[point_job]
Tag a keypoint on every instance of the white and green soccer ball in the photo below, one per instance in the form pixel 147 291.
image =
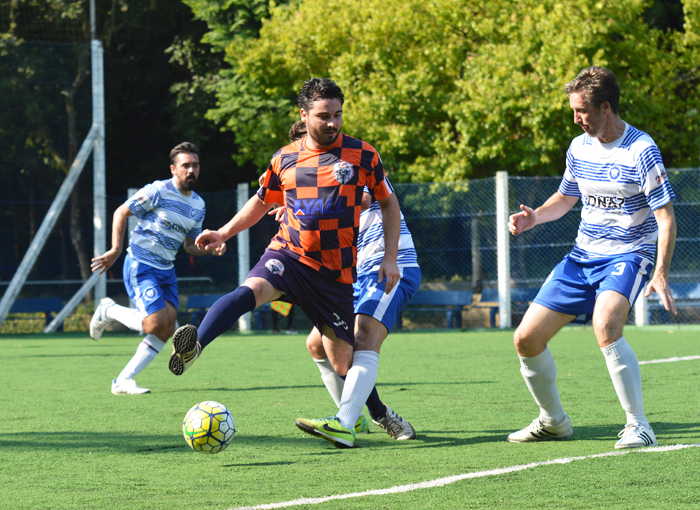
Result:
pixel 208 427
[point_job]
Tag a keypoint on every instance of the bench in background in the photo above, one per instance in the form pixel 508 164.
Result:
pixel 449 301
pixel 685 295
pixel 198 304
pixel 520 298
pixel 34 305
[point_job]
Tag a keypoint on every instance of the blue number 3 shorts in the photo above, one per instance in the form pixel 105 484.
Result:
pixel 573 286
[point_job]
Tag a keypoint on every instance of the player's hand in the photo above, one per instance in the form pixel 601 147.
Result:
pixel 209 240
pixel 390 271
pixel 522 221
pixel 261 180
pixel 659 284
pixel 219 251
pixel 278 212
pixel 105 261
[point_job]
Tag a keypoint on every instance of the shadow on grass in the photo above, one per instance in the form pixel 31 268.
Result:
pixel 400 386
pixel 664 431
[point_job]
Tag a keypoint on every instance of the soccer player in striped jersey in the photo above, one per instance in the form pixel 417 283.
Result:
pixel 312 260
pixel 375 311
pixel 627 220
pixel 170 214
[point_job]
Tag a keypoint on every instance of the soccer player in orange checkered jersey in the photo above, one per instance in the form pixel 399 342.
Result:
pixel 319 180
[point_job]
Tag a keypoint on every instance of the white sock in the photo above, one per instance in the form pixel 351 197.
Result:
pixel 130 317
pixel 334 383
pixel 145 353
pixel 358 385
pixel 627 379
pixel 540 374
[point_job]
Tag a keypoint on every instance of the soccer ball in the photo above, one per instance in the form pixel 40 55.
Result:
pixel 208 427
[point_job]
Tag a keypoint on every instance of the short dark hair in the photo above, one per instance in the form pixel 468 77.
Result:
pixel 297 131
pixel 598 85
pixel 319 88
pixel 183 148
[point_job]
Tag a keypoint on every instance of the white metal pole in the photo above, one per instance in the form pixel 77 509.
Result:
pixel 641 310
pixel 243 252
pixel 99 218
pixel 47 225
pixel 503 243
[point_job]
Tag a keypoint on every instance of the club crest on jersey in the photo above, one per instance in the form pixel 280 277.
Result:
pixel 343 172
pixel 275 267
pixel 614 173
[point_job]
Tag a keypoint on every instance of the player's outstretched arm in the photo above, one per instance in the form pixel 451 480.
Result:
pixel 253 210
pixel 391 226
pixel 105 261
pixel 554 208
pixel 191 248
pixel 666 220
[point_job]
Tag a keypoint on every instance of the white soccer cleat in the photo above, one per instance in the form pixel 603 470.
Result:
pixel 127 387
pixel 99 321
pixel 636 436
pixel 538 431
pixel 185 349
pixel 395 426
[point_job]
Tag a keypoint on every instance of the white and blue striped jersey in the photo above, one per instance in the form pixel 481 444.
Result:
pixel 370 242
pixel 620 185
pixel 166 217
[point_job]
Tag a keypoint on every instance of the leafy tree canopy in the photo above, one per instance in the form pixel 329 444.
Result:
pixel 453 89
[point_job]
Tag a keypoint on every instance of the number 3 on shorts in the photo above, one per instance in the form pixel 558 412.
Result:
pixel 619 269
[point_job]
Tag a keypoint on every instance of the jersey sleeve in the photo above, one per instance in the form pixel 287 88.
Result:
pixel 569 184
pixel 197 228
pixel 144 200
pixel 377 181
pixel 271 190
pixel 653 178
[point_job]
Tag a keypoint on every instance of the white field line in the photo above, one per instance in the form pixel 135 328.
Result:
pixel 451 479
pixel 668 360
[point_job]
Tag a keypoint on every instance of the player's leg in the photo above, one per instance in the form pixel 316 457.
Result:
pixel 342 435
pixel 158 327
pixel 620 288
pixel 137 279
pixel 539 371
pixel 189 341
pixel 379 311
pixel 334 383
pixel 155 295
pixel 330 377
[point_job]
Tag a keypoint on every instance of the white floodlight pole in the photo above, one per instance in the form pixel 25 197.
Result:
pixel 243 252
pixel 99 195
pixel 503 242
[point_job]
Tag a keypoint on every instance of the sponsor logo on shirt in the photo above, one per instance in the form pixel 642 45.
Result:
pixel 173 226
pixel 661 177
pixel 318 207
pixel 608 203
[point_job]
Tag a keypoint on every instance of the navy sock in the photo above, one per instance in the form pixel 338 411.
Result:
pixel 224 313
pixel 375 406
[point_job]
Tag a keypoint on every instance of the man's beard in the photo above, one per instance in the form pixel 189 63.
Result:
pixel 189 184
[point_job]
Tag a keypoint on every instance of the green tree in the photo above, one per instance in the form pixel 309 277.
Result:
pixel 453 89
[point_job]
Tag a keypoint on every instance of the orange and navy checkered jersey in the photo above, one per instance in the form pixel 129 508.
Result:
pixel 321 191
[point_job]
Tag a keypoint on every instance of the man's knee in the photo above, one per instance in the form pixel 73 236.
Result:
pixel 527 344
pixel 314 344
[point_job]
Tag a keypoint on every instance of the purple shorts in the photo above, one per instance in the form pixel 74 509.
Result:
pixel 324 301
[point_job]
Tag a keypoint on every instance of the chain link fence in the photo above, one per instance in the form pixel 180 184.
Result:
pixel 454 230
